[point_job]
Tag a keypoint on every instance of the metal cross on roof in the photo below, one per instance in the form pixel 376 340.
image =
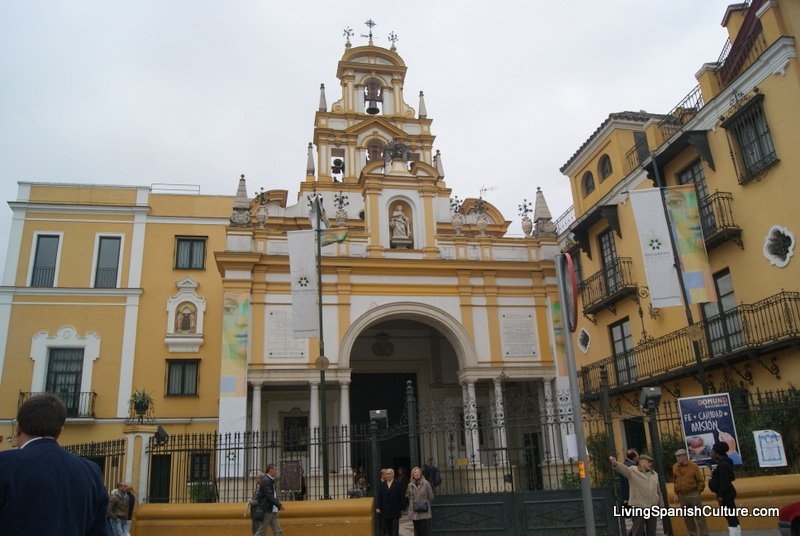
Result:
pixel 370 24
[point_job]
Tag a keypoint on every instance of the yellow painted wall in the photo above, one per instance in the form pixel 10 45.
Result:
pixel 351 517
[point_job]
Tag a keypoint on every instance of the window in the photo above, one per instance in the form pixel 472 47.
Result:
pixel 749 132
pixel 694 175
pixel 199 467
pixel 64 372
pixel 723 324
pixel 182 377
pixel 624 357
pixel 107 268
pixel 190 253
pixel 587 183
pixel 604 168
pixel 612 276
pixel 295 433
pixel 44 261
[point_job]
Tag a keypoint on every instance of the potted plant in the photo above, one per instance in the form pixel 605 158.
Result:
pixel 141 401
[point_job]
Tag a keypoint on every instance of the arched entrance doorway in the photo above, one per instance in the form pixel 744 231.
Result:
pixel 385 356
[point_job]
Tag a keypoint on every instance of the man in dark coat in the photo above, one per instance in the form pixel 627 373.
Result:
pixel 43 488
pixel 267 498
pixel 389 503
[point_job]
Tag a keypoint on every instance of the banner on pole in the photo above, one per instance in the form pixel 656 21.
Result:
pixel 659 260
pixel 687 231
pixel 303 274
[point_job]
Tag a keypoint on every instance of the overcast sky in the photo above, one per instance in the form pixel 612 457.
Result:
pixel 199 91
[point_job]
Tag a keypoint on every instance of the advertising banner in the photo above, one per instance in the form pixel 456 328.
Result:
pixel 706 420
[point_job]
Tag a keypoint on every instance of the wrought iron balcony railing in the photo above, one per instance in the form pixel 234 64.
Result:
pixel 79 405
pixel 608 286
pixel 716 217
pixel 746 331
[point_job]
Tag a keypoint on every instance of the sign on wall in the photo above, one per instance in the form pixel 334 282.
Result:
pixel 706 420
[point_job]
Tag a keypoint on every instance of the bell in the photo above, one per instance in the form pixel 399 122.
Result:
pixel 338 166
pixel 373 96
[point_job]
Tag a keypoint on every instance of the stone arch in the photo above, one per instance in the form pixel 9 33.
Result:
pixel 443 321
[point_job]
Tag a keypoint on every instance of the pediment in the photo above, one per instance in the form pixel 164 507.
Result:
pixel 380 125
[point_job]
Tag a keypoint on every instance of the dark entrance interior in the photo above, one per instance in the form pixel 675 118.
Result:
pixel 379 390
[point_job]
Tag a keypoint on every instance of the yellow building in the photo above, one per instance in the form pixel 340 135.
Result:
pixel 110 290
pixel 731 140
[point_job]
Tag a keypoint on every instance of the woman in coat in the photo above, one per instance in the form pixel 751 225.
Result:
pixel 721 484
pixel 420 497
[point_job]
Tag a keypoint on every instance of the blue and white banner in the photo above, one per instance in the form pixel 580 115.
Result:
pixel 303 274
pixel 659 259
pixel 706 420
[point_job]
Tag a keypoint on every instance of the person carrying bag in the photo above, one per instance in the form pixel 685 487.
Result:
pixel 420 497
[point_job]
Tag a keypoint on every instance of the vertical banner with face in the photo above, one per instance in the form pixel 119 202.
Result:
pixel 706 420
pixel 233 376
pixel 687 232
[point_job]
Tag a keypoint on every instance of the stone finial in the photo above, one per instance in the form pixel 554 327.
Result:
pixel 310 169
pixel 423 112
pixel 437 162
pixel 241 205
pixel 542 217
pixel 323 104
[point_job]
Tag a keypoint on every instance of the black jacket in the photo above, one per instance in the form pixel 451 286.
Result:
pixel 390 499
pixel 265 496
pixel 722 478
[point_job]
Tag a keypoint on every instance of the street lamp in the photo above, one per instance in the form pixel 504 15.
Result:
pixel 649 399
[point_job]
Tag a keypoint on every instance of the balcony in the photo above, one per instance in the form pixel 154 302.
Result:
pixel 608 286
pixel 742 333
pixel 716 217
pixel 79 405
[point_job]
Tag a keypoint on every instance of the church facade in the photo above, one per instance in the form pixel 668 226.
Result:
pixel 109 290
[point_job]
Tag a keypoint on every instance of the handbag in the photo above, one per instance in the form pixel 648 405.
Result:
pixel 420 506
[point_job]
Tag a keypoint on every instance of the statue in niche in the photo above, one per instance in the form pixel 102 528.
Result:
pixel 400 227
pixel 186 318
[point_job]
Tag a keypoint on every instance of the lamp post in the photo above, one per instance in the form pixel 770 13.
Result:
pixel 649 400
pixel 322 361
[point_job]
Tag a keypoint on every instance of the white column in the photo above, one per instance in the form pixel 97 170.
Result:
pixel 500 422
pixel 314 430
pixel 344 422
pixel 471 436
pixel 255 408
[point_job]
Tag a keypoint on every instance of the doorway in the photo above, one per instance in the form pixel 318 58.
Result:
pixel 383 391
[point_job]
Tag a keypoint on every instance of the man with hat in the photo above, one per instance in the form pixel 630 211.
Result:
pixel 689 483
pixel 645 493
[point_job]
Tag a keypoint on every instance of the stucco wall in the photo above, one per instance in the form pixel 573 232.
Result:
pixel 352 517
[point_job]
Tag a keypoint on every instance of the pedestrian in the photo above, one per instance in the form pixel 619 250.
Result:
pixel 267 499
pixel 645 492
pixel 389 503
pixel 360 488
pixel 721 484
pixel 420 497
pixel 689 483
pixel 131 506
pixel 118 509
pixel 256 513
pixel 431 473
pixel 43 488
pixel 631 459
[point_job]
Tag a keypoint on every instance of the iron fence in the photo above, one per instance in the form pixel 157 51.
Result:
pixel 108 455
